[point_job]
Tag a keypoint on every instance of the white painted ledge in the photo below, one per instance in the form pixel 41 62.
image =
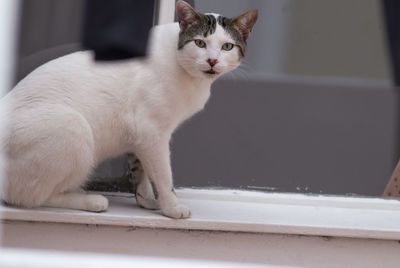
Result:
pixel 243 211
pixel 13 258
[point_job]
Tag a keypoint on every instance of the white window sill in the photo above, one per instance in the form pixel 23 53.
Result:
pixel 242 211
pixel 11 258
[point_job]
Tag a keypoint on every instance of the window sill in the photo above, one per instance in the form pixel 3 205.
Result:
pixel 242 211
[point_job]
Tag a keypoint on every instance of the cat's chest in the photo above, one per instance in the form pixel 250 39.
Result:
pixel 187 101
pixel 172 105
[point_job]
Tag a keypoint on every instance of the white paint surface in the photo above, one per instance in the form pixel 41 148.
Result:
pixel 8 29
pixel 50 259
pixel 247 219
pixel 240 248
pixel 243 211
pixel 8 36
pixel 166 11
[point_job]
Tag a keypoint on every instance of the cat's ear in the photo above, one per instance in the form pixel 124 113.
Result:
pixel 245 22
pixel 186 14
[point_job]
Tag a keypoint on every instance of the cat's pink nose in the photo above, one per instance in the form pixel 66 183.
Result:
pixel 212 62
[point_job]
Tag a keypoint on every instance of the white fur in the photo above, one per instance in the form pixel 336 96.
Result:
pixel 71 114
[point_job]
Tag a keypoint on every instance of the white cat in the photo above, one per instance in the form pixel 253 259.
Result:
pixel 70 114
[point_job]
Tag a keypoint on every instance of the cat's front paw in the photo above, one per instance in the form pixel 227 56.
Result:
pixel 96 203
pixel 177 212
pixel 148 203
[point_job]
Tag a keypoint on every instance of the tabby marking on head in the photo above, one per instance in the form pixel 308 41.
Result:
pixel 194 23
pixel 218 44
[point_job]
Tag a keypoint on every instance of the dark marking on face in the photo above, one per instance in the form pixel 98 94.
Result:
pixel 212 25
pixel 221 21
pixel 239 28
pixel 229 26
pixel 193 23
pixel 204 25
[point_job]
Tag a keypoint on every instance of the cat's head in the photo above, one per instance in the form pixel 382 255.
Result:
pixel 211 45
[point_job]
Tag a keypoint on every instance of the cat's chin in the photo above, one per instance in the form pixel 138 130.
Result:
pixel 203 74
pixel 211 73
pixel 206 75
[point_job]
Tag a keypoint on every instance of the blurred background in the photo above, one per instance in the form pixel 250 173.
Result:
pixel 312 109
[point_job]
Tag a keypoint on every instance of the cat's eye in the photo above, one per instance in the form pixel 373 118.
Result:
pixel 227 46
pixel 200 43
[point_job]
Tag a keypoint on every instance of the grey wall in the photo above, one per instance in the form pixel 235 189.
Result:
pixel 48 29
pixel 290 136
pixel 337 38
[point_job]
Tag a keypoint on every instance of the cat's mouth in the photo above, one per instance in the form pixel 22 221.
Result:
pixel 211 71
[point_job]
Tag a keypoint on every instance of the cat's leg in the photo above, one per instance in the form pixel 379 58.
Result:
pixel 144 193
pixel 156 163
pixel 80 201
pixel 48 160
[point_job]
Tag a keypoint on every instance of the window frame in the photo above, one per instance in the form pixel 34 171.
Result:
pixel 328 204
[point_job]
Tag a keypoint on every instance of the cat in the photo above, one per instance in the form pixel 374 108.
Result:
pixel 70 114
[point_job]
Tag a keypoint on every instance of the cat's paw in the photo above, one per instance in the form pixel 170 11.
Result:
pixel 96 203
pixel 145 196
pixel 148 203
pixel 178 211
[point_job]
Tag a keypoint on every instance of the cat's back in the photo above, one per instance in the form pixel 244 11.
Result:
pixel 78 70
pixel 74 80
pixel 70 64
pixel 62 73
pixel 77 81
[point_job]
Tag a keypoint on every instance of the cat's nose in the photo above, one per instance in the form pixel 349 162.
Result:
pixel 212 62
